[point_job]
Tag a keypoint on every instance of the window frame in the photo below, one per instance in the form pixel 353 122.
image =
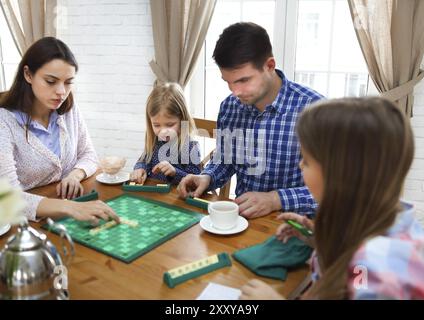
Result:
pixel 285 19
pixel 2 72
pixel 284 47
pixel 7 58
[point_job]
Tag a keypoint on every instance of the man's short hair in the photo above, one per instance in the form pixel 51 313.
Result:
pixel 241 43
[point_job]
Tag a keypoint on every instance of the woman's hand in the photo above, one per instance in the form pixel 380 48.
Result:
pixel 70 187
pixel 259 290
pixel 286 231
pixel 138 176
pixel 91 211
pixel 166 168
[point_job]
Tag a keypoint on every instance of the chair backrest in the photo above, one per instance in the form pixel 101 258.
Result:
pixel 205 129
pixel 205 126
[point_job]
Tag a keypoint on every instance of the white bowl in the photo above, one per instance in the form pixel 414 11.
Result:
pixel 112 164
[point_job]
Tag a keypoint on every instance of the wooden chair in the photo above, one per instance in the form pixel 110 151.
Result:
pixel 206 130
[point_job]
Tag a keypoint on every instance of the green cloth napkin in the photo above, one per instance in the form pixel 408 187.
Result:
pixel 273 258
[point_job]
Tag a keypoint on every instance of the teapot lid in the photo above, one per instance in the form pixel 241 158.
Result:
pixel 26 238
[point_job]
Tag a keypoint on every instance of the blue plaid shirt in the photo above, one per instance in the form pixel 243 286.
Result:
pixel 271 150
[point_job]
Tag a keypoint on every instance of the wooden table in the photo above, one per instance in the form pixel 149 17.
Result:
pixel 93 275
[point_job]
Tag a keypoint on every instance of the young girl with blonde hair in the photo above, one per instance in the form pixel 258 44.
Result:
pixel 356 155
pixel 170 152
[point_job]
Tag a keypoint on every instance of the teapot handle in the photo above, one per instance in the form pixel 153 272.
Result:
pixel 67 254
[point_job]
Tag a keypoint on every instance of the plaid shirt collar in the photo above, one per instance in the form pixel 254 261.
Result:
pixel 276 105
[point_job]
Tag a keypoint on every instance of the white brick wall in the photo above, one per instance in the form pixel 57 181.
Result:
pixel 113 43
pixel 414 187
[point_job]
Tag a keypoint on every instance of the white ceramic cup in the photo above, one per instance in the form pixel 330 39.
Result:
pixel 223 214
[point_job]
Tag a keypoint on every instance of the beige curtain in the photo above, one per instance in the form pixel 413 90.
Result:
pixel 30 20
pixel 179 30
pixel 391 36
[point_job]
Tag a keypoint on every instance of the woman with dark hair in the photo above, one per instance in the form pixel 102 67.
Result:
pixel 43 138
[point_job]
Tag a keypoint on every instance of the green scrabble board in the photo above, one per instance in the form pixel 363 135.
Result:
pixel 157 223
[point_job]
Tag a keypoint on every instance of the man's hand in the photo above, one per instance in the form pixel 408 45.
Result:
pixel 258 204
pixel 193 185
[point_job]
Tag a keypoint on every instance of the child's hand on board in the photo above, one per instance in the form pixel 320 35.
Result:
pixel 286 231
pixel 166 168
pixel 138 176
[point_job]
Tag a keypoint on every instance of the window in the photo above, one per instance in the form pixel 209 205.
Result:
pixel 314 43
pixel 207 87
pixel 9 55
pixel 328 56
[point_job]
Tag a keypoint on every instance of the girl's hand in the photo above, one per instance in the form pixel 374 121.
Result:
pixel 166 168
pixel 138 176
pixel 259 290
pixel 90 211
pixel 285 231
pixel 70 187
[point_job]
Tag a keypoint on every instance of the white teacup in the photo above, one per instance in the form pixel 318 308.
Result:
pixel 223 214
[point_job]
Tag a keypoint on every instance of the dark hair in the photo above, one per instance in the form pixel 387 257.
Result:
pixel 20 96
pixel 240 43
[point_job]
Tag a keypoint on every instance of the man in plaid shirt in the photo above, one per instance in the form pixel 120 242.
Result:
pixel 260 115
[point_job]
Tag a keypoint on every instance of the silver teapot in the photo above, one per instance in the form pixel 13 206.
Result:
pixel 31 268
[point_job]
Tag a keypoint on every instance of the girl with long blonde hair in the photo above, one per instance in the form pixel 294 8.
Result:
pixel 170 152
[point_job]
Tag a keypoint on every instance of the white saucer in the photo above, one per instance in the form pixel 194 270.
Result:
pixel 206 224
pixel 4 229
pixel 119 178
